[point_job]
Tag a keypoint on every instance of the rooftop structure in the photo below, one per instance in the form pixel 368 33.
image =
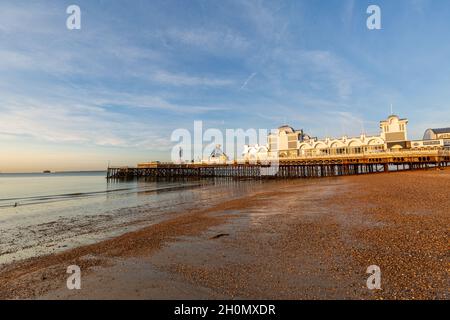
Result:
pixel 440 133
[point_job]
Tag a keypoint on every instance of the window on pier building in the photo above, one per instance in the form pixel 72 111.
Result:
pixel 273 146
pixel 355 150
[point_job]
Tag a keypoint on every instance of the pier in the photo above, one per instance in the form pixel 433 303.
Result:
pixel 312 167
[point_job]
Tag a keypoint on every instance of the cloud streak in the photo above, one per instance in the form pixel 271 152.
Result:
pixel 248 80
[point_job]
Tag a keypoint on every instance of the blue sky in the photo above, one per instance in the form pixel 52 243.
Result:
pixel 136 71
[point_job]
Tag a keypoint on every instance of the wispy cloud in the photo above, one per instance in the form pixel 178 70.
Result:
pixel 211 40
pixel 186 80
pixel 102 119
pixel 348 12
pixel 420 5
pixel 330 68
pixel 34 18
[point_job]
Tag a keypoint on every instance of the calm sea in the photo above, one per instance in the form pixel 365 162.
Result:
pixel 24 189
pixel 46 213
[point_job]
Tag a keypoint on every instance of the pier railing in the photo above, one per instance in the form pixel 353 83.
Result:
pixel 298 167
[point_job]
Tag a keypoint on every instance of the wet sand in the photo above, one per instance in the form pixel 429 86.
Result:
pixel 298 239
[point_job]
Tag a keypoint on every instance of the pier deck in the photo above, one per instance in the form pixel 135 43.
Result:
pixel 324 166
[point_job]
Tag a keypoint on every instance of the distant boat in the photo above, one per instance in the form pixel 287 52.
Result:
pixel 46 171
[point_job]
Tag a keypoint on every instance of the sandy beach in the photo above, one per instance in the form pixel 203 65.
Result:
pixel 294 239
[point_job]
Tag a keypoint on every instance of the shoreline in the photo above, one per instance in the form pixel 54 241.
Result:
pixel 309 239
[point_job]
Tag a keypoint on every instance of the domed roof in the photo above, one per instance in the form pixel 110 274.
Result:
pixel 440 130
pixel 428 135
pixel 286 129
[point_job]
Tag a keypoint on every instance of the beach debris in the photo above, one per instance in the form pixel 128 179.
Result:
pixel 220 235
